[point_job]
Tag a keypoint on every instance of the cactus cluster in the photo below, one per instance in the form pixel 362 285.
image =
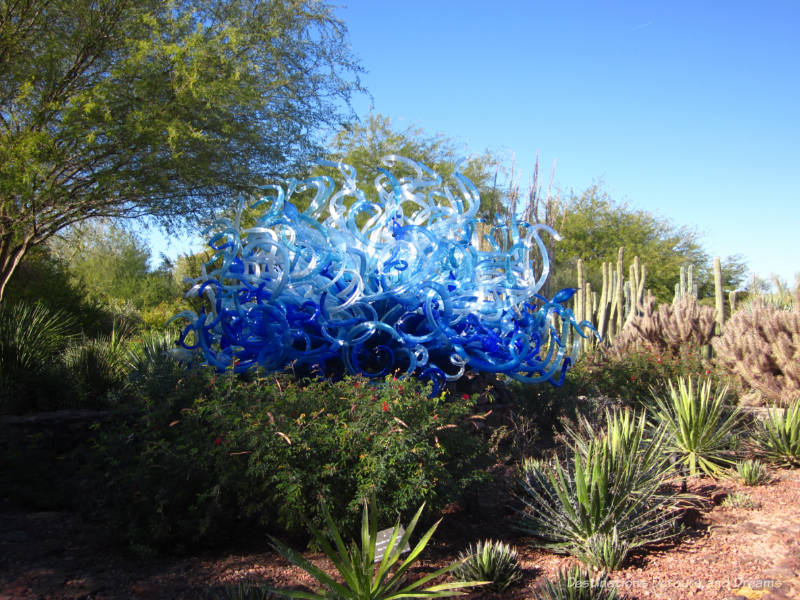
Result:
pixel 619 301
pixel 761 347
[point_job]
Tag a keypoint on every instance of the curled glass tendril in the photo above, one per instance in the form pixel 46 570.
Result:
pixel 408 282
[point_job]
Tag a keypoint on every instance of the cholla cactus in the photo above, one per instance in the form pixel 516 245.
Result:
pixel 761 347
pixel 669 326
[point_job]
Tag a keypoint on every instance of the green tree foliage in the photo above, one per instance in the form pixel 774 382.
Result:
pixel 362 145
pixel 133 108
pixel 111 264
pixel 593 228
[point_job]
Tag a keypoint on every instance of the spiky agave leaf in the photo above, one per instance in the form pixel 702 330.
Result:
pixel 699 425
pixel 361 580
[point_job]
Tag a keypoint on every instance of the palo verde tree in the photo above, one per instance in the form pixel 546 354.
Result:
pixel 151 108
pixel 363 144
pixel 594 226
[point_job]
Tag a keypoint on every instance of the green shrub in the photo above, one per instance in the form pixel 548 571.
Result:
pixel 630 376
pixel 576 583
pixel 700 426
pixel 490 561
pixel 96 367
pixel 31 336
pixel 210 454
pixel 605 498
pixel 752 472
pixel 777 437
pixel 356 564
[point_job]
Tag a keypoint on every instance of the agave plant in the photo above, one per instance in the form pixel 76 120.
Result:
pixel 606 498
pixel 490 561
pixel 752 472
pixel 361 578
pixel 576 583
pixel 778 436
pixel 699 426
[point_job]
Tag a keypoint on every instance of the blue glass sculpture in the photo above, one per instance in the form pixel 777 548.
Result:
pixel 409 282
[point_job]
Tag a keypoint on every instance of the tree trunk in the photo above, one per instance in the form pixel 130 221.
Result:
pixel 10 257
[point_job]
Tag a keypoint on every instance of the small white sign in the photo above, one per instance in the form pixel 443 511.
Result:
pixel 382 542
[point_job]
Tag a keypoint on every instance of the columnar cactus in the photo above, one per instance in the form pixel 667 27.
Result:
pixel 761 347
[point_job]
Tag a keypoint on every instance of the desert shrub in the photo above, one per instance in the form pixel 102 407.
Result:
pixel 210 454
pixel 491 561
pixel 752 472
pixel 760 346
pixel 31 336
pixel 630 376
pixel 777 437
pixel 576 583
pixel 605 498
pixel 96 366
pixel 699 425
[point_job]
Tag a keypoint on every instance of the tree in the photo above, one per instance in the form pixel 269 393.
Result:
pixel 145 108
pixel 362 145
pixel 593 228
pixel 111 265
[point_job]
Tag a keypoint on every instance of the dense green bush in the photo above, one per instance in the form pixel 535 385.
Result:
pixel 631 376
pixel 212 453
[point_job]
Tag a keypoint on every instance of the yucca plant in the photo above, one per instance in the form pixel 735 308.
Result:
pixel 30 336
pixel 149 352
pixel 361 578
pixel 606 498
pixel 752 472
pixel 576 583
pixel 491 561
pixel 699 425
pixel 777 437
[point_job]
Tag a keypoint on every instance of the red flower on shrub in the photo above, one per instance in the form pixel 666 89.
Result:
pixel 218 441
pixel 385 406
pixel 465 396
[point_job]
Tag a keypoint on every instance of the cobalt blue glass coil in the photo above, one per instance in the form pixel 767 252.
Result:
pixel 407 281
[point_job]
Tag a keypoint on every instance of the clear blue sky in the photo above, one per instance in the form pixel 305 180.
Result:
pixel 687 109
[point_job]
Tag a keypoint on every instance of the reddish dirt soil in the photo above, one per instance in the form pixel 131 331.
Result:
pixel 728 553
